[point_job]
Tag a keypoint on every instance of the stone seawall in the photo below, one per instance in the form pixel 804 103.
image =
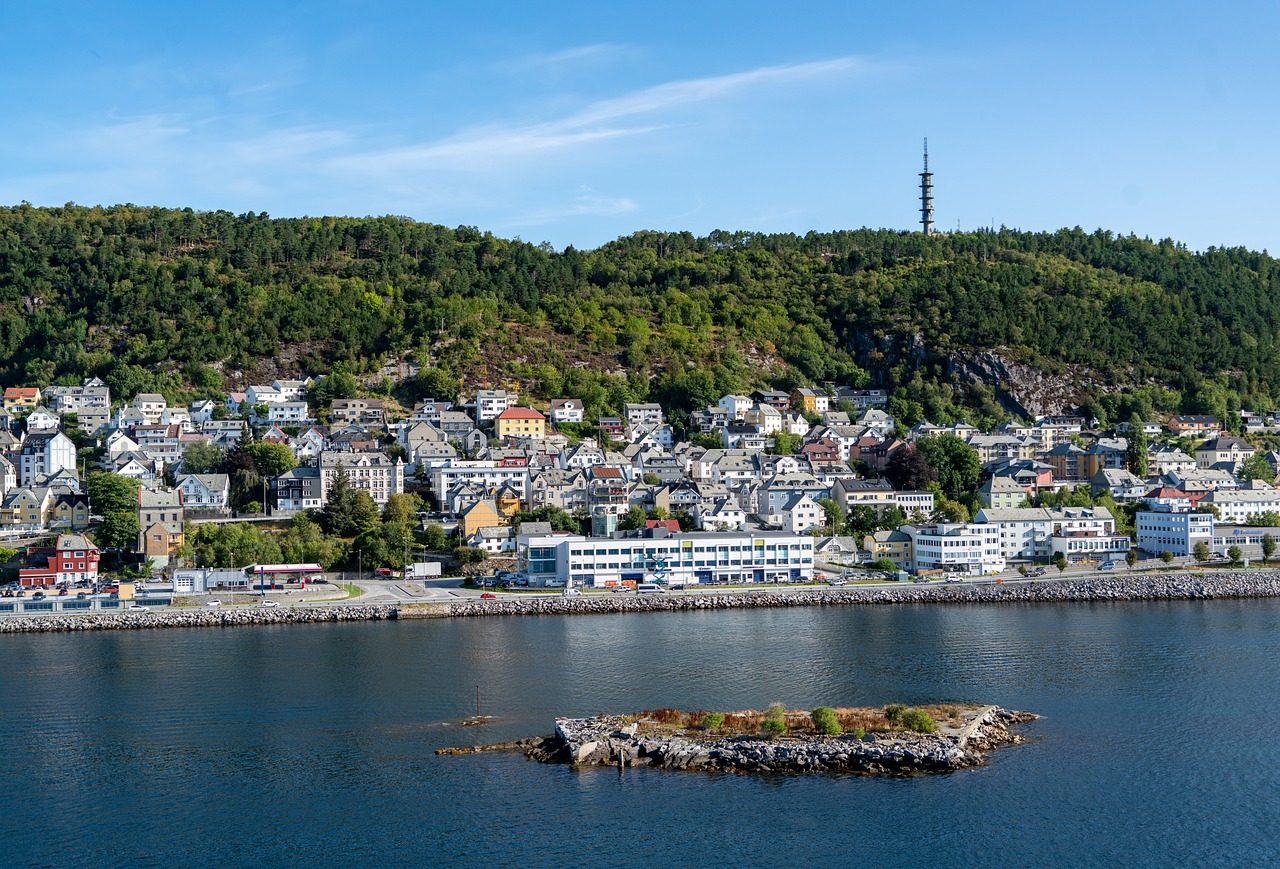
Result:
pixel 207 617
pixel 1142 587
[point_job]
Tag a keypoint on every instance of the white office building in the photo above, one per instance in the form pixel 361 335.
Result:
pixel 1175 531
pixel 656 555
pixel 962 547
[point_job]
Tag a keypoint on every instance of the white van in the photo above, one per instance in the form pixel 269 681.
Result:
pixel 649 588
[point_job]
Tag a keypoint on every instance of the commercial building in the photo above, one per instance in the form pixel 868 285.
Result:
pixel 1174 531
pixel 656 555
pixel 962 547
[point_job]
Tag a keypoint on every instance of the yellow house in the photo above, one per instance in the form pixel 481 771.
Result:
pixel 506 500
pixel 21 398
pixel 520 422
pixel 481 514
pixel 894 545
pixel 810 400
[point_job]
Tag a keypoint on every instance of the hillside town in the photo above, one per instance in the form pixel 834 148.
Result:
pixel 766 487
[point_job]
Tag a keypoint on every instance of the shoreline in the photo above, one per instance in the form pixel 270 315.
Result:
pixel 1143 587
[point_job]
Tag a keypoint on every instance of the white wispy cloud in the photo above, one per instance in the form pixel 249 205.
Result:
pixel 584 205
pixel 634 114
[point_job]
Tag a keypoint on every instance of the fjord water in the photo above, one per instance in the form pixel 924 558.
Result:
pixel 312 745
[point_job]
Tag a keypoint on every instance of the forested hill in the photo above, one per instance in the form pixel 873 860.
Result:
pixel 188 303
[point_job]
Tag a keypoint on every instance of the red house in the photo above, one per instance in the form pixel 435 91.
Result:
pixel 74 558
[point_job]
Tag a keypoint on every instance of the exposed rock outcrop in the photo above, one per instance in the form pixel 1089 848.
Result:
pixel 609 740
pixel 1022 389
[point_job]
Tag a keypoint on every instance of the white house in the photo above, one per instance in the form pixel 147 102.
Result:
pixel 802 513
pixel 204 491
pixel 735 406
pixel 566 410
pixel 45 453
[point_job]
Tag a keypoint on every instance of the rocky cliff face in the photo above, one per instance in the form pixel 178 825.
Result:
pixel 1023 390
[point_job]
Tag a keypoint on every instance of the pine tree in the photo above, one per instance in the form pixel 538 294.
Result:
pixel 338 514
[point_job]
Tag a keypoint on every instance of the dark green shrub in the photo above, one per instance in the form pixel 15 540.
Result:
pixel 893 712
pixel 713 721
pixel 825 721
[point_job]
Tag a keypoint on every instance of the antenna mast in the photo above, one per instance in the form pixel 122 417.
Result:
pixel 926 194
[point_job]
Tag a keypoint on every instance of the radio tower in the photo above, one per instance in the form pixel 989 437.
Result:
pixel 926 194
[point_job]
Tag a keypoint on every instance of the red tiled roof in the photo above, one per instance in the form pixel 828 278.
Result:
pixel 520 413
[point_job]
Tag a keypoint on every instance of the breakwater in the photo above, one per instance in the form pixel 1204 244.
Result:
pixel 206 617
pixel 1091 589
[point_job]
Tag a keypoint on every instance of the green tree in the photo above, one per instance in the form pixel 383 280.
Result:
pixel 469 555
pixel 201 457
pixel 112 493
pixel 1202 552
pixel 785 444
pixel 831 510
pixel 337 515
pixel 954 462
pixel 1166 556
pixel 1135 455
pixel 1059 561
pixel 1235 553
pixel 119 530
pixel 271 459
pixel 385 545
pixel 402 509
pixel 436 383
pixel 633 519
pixel 1268 547
pixel 1131 557
pixel 365 515
pixel 339 383
pixel 435 538
pixel 1256 467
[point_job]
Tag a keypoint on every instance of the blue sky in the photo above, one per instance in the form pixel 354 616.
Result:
pixel 576 123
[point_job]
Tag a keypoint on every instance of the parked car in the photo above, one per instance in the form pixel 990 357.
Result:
pixel 1107 565
pixel 214 602
pixel 63 592
pixel 837 582
pixel 383 571
pixel 38 596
